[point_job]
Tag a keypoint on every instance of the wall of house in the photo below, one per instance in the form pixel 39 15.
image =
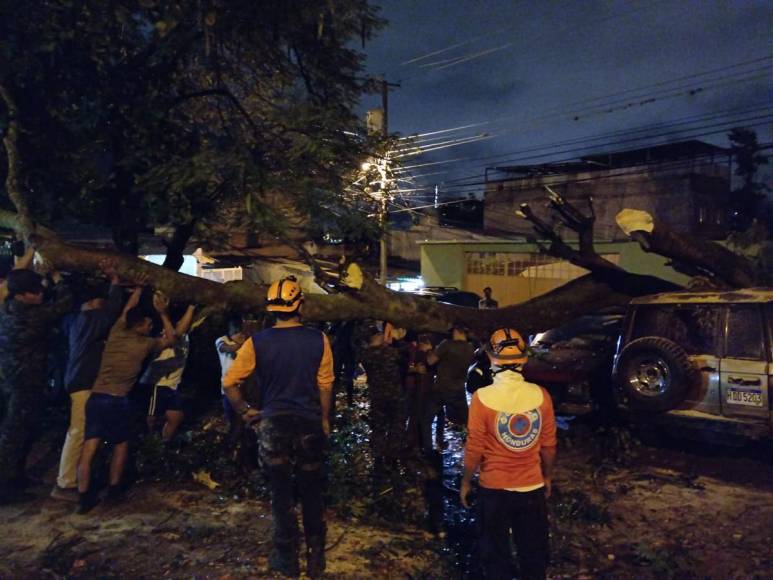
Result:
pixel 682 194
pixel 516 271
pixel 405 244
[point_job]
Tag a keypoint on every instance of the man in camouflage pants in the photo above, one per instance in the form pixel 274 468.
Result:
pixel 294 367
pixel 387 406
pixel 25 325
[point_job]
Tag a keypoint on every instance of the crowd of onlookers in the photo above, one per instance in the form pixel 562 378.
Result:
pixel 120 337
pixel 119 344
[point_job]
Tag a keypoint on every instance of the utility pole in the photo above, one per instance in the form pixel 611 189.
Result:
pixel 384 213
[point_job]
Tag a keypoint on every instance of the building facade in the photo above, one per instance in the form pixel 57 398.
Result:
pixel 517 271
pixel 683 185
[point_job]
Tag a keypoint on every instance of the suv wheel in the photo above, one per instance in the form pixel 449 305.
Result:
pixel 655 373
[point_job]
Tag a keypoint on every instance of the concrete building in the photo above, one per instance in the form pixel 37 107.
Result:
pixel 686 185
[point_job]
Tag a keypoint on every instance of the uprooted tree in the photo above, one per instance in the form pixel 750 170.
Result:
pixel 357 296
pixel 202 119
pixel 354 295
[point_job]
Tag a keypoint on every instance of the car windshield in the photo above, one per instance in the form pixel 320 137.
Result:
pixel 693 327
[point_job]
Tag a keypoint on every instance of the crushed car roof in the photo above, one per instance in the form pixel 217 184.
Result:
pixel 731 296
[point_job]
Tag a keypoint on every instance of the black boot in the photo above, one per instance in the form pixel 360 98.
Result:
pixel 284 559
pixel 315 556
pixel 86 502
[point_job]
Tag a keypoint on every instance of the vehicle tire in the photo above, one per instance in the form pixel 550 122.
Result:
pixel 655 373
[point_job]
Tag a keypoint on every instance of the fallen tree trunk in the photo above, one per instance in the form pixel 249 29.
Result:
pixel 691 255
pixel 366 300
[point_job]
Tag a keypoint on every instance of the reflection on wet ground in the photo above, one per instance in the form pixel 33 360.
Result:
pixel 458 522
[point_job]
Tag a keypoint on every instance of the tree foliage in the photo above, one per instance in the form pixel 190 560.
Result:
pixel 748 197
pixel 187 114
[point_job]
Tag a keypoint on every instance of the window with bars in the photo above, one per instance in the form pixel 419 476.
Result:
pixel 531 265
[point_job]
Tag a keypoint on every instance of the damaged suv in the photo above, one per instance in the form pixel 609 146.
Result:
pixel 703 360
pixel 702 356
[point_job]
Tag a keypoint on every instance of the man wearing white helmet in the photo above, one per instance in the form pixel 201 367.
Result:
pixel 512 439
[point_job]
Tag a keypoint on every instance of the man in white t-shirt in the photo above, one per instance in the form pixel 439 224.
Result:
pixel 164 375
pixel 226 349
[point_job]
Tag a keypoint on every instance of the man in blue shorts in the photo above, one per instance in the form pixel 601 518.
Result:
pixel 107 410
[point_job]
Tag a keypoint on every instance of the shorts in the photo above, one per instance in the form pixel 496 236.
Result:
pixel 163 399
pixel 107 418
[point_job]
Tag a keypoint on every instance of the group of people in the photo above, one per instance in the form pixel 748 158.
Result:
pixel 510 435
pixel 413 382
pixel 511 427
pixel 109 344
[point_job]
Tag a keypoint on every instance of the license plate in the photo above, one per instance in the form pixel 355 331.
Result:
pixel 748 397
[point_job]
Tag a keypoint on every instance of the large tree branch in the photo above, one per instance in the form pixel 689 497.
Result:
pixel 690 254
pixel 221 92
pixel 365 299
pixel 575 220
pixel 175 245
pixel 586 257
pixel 324 280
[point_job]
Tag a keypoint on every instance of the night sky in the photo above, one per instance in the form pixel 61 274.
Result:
pixel 535 75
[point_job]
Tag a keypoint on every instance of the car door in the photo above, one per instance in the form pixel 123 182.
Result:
pixel 744 364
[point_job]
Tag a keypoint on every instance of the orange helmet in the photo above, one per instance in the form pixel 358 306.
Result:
pixel 506 347
pixel 284 295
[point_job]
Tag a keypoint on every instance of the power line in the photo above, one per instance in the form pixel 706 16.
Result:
pixel 462 141
pixel 479 54
pixel 703 134
pixel 561 109
pixel 506 157
pixel 670 81
pixel 596 21
pixel 579 114
pixel 454 46
pixel 595 110
pixel 444 145
pixel 444 130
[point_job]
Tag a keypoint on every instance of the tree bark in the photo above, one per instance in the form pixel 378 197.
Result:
pixel 690 254
pixel 175 246
pixel 370 300
pixel 26 225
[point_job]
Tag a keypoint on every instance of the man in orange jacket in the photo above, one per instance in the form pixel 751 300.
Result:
pixel 512 439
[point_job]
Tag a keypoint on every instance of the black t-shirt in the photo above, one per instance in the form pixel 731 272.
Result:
pixel 455 357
